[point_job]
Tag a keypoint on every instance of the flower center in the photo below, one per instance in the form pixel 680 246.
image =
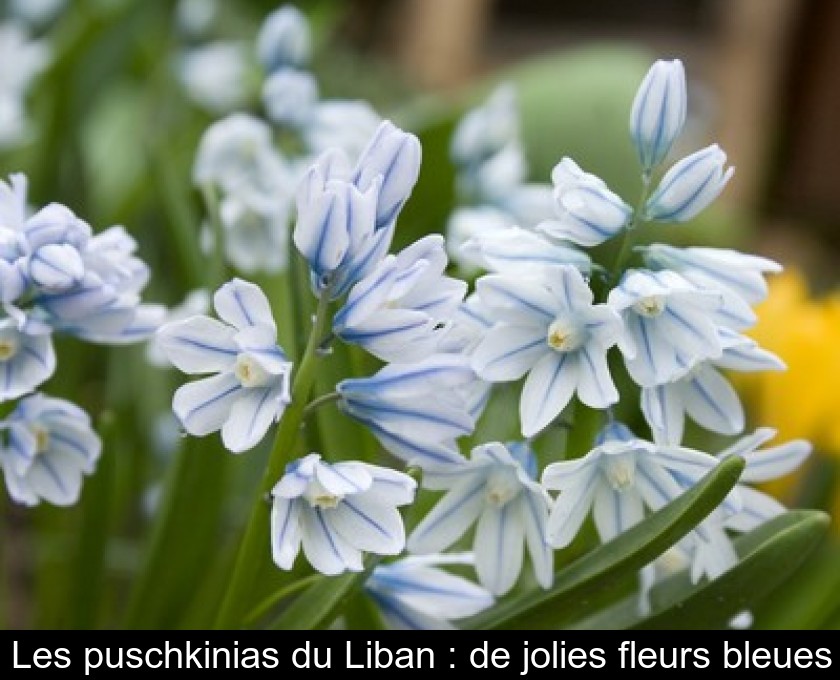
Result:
pixel 42 438
pixel 621 472
pixel 650 306
pixel 565 335
pixel 319 497
pixel 8 348
pixel 249 372
pixel 502 487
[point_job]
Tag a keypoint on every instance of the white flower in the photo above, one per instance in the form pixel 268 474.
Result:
pixel 548 328
pixel 669 325
pixel 414 593
pixel 48 447
pixel 256 230
pixel 336 512
pixel 689 186
pixel 284 39
pixel 703 394
pixel 465 226
pixel 416 411
pixel 708 548
pixel 517 251
pixel 618 479
pixel 400 311
pixel 586 211
pixel 658 113
pixel 27 359
pixel 214 75
pixel 738 276
pixel 195 303
pixel 510 509
pixel 237 152
pixel 251 387
pixel 289 97
pixel 23 60
pixel 486 130
pixel 340 124
pixel 346 217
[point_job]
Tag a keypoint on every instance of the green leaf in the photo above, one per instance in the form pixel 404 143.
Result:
pixel 610 563
pixel 769 556
pixel 320 603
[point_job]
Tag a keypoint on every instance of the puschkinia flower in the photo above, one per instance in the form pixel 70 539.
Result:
pixel 494 491
pixel 617 480
pixel 520 251
pixel 237 152
pixel 196 302
pixel 703 393
pixel 215 75
pixel 289 97
pixel 416 411
pixel 402 308
pixel 689 186
pixel 586 211
pixel 256 230
pixel 739 277
pixel 486 130
pixel 668 324
pixel 548 328
pixel 27 359
pixel 708 549
pixel 346 217
pixel 414 593
pixel 250 388
pixel 336 512
pixel 284 39
pixel 658 113
pixel 340 124
pixel 48 446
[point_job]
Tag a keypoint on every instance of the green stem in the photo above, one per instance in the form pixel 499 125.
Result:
pixel 253 549
pixel 629 236
pixel 217 271
pixel 318 402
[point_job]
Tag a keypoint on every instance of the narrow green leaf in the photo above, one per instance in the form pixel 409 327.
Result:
pixel 770 555
pixel 320 603
pixel 612 562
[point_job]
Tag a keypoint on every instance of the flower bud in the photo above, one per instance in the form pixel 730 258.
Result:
pixel 395 156
pixel 658 112
pixel 587 212
pixel 689 186
pixel 284 39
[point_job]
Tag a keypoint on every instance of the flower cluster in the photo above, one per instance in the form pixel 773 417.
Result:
pixel 252 177
pixel 654 325
pixel 58 277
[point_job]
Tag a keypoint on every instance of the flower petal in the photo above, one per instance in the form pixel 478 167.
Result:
pixel 285 531
pixel 368 524
pixel 450 518
pixel 198 344
pixel 251 414
pixel 242 304
pixel 203 406
pixel 498 548
pixel 507 352
pixel 547 391
pixel 326 551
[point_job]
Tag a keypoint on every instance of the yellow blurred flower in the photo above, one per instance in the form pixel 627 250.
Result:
pixel 801 402
pixel 805 333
